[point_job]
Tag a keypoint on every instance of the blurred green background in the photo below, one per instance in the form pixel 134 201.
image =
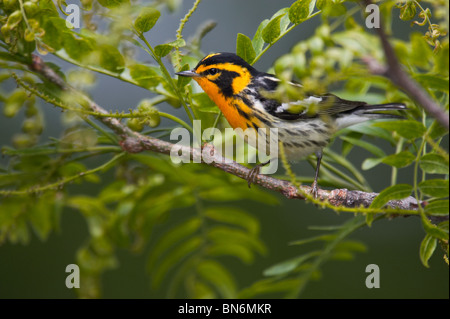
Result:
pixel 37 270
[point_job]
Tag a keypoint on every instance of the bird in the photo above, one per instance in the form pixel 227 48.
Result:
pixel 243 94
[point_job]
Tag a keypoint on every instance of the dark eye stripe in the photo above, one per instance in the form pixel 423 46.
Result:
pixel 225 81
pixel 212 71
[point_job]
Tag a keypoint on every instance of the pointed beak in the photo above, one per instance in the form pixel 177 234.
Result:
pixel 191 74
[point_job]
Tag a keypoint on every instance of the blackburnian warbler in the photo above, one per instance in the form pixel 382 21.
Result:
pixel 241 93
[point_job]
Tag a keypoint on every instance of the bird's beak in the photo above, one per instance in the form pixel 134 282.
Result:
pixel 191 74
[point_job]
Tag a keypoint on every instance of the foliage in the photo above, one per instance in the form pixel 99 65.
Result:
pixel 149 190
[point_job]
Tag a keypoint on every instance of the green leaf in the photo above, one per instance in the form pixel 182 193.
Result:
pixel 437 130
pixel 346 146
pixel 288 266
pixel 342 255
pixel 408 11
pixel 268 286
pixel 344 162
pixel 321 4
pixel 434 164
pixel 11 210
pixel 369 219
pixel 284 22
pixel 77 48
pixel 300 10
pixel 433 230
pixel 14 102
pixel 433 82
pixel 332 8
pixel 272 30
pixel 325 238
pixel 94 263
pixel 71 169
pixel 48 7
pixel 399 191
pixel 113 3
pixel 170 239
pixel 344 250
pixel 145 76
pixel 438 208
pixel 441 58
pixel 421 52
pixel 14 19
pixel 42 215
pixel 89 206
pixel 399 160
pixel 234 216
pixel 53 36
pixel 162 50
pixel 370 163
pixel 366 145
pixel 434 187
pixel 244 48
pixel 222 234
pixel 408 129
pixel 201 290
pixel 173 258
pixel 245 254
pixel 146 19
pixel 444 226
pixel 427 248
pixel 258 41
pixel 20 232
pixel 204 103
pixel 110 58
pixel 183 80
pixel 351 245
pixel 219 277
pixel 369 129
pixel 116 191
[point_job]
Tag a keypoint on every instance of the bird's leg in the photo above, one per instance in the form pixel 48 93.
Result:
pixel 251 177
pixel 314 186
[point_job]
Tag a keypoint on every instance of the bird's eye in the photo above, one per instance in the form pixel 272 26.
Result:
pixel 213 71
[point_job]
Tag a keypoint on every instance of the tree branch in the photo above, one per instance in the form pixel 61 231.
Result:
pixel 134 142
pixel 399 77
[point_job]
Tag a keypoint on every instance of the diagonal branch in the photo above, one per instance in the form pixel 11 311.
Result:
pixel 134 142
pixel 399 77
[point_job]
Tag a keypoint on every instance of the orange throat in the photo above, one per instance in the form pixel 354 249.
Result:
pixel 228 106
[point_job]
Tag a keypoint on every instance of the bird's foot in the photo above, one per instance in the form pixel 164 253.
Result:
pixel 314 189
pixel 254 172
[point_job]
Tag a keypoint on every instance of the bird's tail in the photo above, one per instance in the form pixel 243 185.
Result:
pixel 376 111
pixel 368 112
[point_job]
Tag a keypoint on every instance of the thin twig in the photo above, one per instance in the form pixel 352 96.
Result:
pixel 399 77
